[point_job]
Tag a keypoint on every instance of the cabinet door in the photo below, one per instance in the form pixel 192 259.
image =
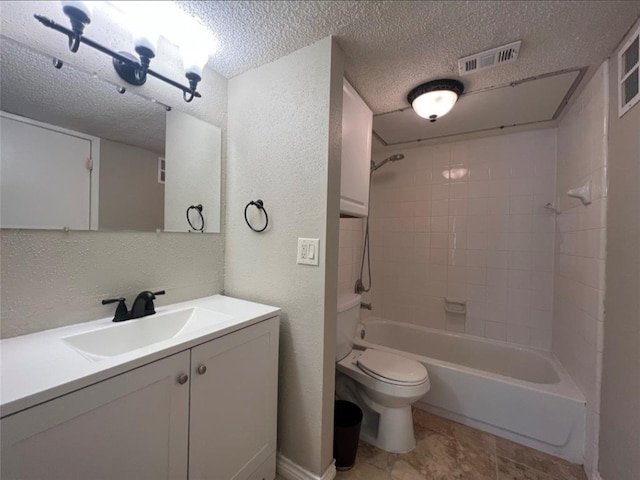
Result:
pixel 132 426
pixel 45 181
pixel 233 404
pixel 357 122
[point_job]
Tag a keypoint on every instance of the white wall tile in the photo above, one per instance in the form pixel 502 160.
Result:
pixel 474 326
pixel 518 334
pixel 484 238
pixel 581 238
pixel 439 208
pixel 497 259
pixel 477 241
pixel 495 331
pixel 477 258
pixel 521 204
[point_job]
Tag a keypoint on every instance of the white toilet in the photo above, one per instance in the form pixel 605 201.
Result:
pixel 383 384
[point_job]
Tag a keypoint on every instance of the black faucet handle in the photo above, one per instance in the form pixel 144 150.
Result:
pixel 122 312
pixel 112 300
pixel 159 292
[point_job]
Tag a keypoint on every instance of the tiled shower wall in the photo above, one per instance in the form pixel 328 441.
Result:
pixel 578 326
pixel 466 220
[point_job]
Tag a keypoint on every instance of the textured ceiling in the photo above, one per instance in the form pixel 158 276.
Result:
pixel 392 46
pixel 73 99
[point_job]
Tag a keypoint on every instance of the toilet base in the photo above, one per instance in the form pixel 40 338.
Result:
pixel 387 428
pixel 394 432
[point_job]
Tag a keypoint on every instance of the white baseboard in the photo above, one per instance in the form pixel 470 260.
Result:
pixel 292 471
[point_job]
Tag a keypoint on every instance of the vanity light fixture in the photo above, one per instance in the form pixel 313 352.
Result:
pixel 436 98
pixel 131 68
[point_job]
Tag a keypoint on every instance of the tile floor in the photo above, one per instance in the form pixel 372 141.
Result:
pixel 447 450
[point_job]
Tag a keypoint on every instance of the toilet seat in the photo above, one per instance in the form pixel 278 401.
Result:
pixel 392 368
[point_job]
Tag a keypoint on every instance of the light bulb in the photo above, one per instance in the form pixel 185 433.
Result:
pixel 145 38
pixel 85 7
pixel 434 104
pixel 144 29
pixel 193 59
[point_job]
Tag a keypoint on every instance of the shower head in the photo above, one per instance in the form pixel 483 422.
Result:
pixel 392 158
pixel 396 157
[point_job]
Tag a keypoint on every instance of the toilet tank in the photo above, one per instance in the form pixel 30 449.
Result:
pixel 347 324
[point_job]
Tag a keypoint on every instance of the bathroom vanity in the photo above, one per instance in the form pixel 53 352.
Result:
pixel 191 393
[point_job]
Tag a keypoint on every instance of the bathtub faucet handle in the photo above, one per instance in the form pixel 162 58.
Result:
pixel 366 306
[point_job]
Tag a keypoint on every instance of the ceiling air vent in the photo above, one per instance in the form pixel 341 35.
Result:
pixel 490 58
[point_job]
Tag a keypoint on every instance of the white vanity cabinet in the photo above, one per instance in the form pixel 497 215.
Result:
pixel 234 391
pixel 134 425
pixel 208 412
pixel 357 125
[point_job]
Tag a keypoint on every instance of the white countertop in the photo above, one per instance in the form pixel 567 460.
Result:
pixel 37 367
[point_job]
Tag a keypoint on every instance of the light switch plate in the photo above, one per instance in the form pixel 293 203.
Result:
pixel 308 251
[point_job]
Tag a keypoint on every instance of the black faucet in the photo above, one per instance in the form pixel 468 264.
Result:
pixel 142 306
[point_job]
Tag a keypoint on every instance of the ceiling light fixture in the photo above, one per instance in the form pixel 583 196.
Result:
pixel 436 98
pixel 195 44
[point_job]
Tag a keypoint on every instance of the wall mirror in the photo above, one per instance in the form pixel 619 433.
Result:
pixel 77 154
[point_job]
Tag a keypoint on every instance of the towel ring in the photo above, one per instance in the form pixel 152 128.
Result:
pixel 260 206
pixel 197 208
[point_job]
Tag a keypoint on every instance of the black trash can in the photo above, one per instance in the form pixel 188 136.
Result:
pixel 347 420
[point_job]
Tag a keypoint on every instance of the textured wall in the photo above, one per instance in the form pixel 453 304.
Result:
pixel 130 196
pixel 481 235
pixel 284 148
pixel 52 278
pixel 578 310
pixel 620 417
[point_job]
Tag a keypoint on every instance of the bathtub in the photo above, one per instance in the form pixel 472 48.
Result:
pixel 513 392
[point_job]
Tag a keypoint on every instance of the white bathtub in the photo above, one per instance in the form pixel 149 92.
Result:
pixel 514 392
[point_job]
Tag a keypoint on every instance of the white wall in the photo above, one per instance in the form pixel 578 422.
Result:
pixel 578 310
pixel 192 173
pixel 350 256
pixel 51 279
pixel 484 237
pixel 620 409
pixel 130 196
pixel 284 148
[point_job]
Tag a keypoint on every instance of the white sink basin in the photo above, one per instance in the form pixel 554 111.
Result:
pixel 130 335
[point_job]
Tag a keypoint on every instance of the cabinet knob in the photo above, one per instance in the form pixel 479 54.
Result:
pixel 202 369
pixel 182 379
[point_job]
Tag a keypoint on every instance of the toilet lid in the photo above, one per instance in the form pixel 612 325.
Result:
pixel 392 368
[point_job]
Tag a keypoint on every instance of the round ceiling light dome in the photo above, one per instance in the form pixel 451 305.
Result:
pixel 436 98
